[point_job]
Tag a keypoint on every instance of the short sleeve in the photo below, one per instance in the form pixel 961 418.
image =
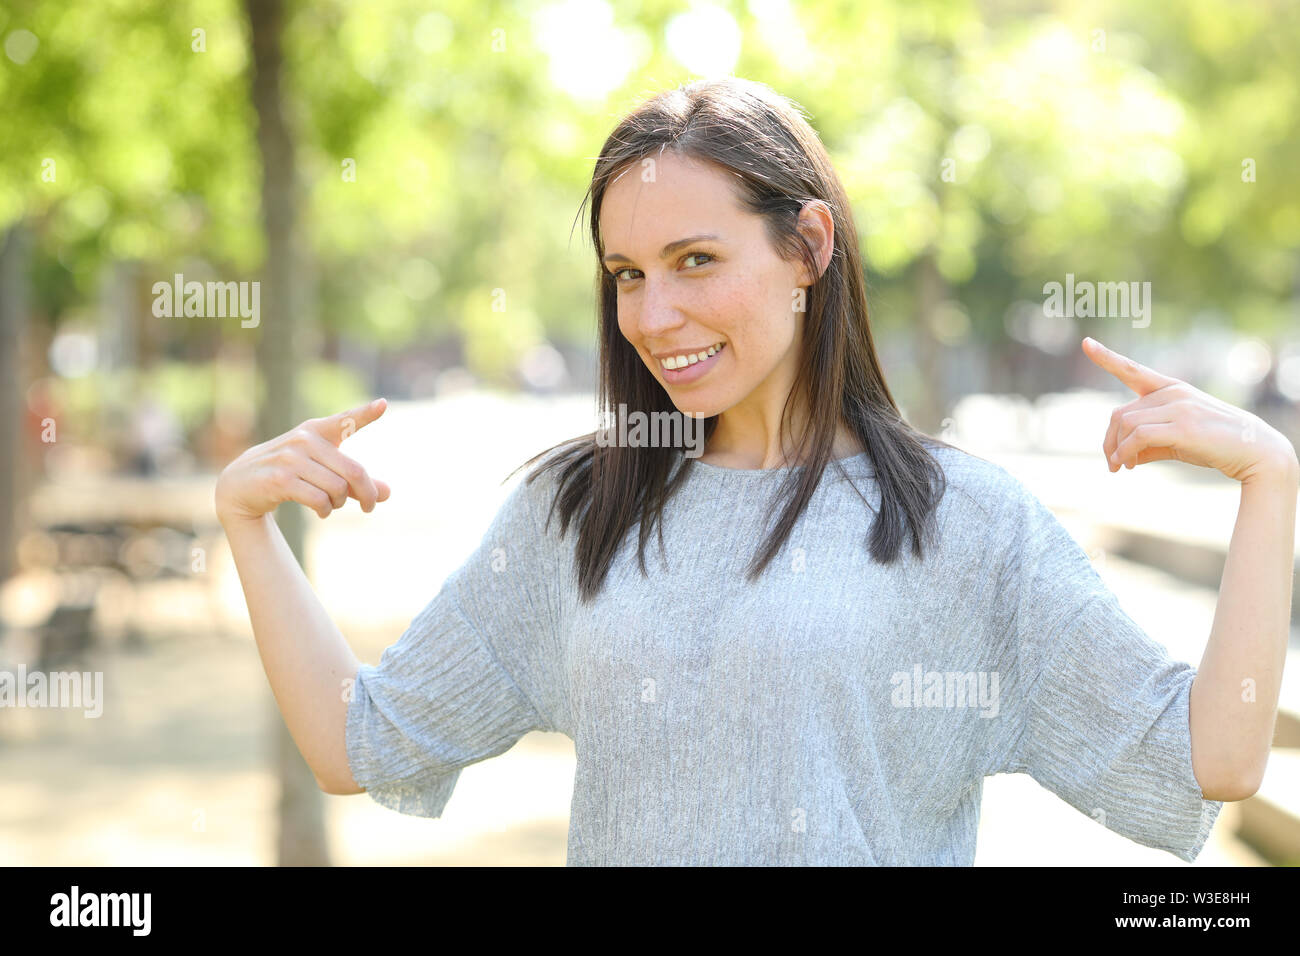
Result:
pixel 475 670
pixel 1096 711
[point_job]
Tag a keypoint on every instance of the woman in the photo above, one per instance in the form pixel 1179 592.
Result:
pixel 805 690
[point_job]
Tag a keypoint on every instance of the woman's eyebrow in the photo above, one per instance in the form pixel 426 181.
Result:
pixel 667 250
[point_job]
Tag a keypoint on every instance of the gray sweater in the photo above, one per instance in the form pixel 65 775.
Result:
pixel 835 712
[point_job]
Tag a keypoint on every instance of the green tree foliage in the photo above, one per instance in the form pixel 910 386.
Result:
pixel 444 152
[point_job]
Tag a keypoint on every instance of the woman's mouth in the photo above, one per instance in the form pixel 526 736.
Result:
pixel 687 367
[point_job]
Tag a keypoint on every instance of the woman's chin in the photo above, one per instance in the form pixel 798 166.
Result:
pixel 696 411
pixel 702 402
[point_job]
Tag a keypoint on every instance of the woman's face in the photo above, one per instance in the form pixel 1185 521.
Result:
pixel 696 275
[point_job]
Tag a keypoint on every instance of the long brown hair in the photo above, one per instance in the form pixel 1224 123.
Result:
pixel 778 163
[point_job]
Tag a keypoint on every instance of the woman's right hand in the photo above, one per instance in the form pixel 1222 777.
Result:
pixel 302 465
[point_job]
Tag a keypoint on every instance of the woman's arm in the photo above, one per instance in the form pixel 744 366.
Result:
pixel 1235 693
pixel 307 661
pixel 306 658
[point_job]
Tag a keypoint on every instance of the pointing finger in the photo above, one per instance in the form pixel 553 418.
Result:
pixel 338 428
pixel 1136 376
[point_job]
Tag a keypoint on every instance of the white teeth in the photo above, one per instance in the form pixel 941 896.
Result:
pixel 681 361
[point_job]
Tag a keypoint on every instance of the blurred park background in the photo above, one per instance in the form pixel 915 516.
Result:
pixel 402 180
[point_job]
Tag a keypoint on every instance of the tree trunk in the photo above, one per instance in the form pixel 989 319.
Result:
pixel 301 809
pixel 932 398
pixel 13 322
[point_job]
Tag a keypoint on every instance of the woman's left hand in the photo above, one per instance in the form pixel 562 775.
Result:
pixel 1171 419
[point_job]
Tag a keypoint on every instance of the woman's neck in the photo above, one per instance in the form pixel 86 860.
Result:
pixel 756 455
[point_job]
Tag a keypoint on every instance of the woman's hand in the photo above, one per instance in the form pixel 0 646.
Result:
pixel 1171 419
pixel 302 465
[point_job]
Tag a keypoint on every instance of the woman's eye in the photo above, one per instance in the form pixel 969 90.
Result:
pixel 691 255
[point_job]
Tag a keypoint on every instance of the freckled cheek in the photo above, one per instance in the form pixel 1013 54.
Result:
pixel 751 316
pixel 732 310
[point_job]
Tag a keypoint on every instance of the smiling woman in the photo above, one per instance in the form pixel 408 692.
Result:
pixel 732 288
pixel 737 700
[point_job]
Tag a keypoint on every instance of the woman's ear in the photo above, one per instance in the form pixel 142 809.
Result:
pixel 817 227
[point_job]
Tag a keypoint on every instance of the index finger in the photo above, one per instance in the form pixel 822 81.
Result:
pixel 1136 376
pixel 336 428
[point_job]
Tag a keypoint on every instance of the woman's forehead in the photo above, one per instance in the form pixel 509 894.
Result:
pixel 671 199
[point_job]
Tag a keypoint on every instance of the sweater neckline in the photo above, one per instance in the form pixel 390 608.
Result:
pixel 720 472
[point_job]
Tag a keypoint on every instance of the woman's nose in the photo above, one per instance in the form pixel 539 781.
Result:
pixel 660 310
